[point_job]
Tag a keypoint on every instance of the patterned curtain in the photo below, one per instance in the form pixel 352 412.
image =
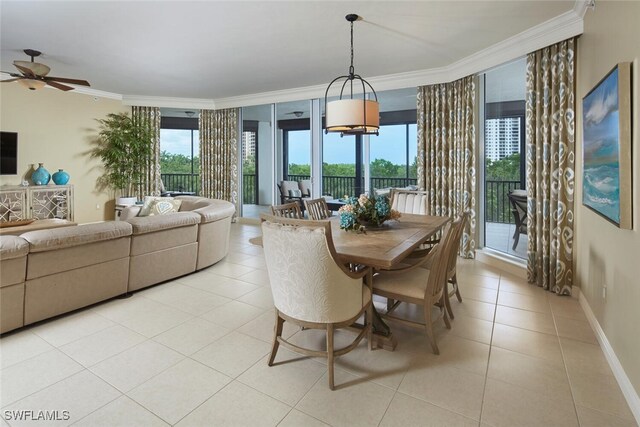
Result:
pixel 219 155
pixel 447 152
pixel 151 181
pixel 550 110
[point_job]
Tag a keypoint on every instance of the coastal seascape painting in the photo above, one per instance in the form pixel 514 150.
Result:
pixel 606 147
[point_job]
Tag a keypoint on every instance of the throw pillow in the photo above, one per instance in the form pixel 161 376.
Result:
pixel 148 200
pixel 295 193
pixel 164 206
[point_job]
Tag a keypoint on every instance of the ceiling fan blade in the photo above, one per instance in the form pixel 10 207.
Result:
pixel 65 80
pixel 11 74
pixel 11 80
pixel 26 71
pixel 59 86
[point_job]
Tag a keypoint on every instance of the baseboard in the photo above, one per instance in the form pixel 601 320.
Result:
pixel 630 394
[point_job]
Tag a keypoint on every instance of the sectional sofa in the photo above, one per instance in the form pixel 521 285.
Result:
pixel 49 272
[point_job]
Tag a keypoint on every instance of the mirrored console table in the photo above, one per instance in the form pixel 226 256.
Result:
pixel 36 201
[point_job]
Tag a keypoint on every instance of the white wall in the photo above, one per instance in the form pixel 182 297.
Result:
pixel 55 128
pixel 605 254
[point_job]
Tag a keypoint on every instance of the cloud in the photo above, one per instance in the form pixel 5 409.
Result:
pixel 601 106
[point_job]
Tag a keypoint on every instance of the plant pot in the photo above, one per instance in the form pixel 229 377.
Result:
pixel 126 201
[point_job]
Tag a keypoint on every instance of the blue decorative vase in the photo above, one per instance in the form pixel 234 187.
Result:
pixel 60 177
pixel 41 176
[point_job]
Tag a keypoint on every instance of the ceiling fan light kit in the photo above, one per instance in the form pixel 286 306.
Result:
pixel 349 115
pixel 33 75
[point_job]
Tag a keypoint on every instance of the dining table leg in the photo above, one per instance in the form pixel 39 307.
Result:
pixel 381 331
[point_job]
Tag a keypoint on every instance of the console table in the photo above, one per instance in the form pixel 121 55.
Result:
pixel 36 201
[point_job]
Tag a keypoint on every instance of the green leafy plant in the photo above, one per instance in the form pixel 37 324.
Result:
pixel 124 146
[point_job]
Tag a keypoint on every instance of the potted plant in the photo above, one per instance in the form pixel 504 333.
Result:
pixel 124 146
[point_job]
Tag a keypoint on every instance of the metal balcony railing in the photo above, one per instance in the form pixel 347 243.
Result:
pixel 497 206
pixel 182 182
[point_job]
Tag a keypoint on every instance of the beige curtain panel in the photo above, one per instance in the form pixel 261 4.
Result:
pixel 447 152
pixel 219 155
pixel 151 181
pixel 550 136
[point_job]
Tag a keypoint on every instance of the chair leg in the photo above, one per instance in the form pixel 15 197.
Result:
pixel 516 238
pixel 330 355
pixel 445 317
pixel 447 303
pixel 454 280
pixel 428 326
pixel 277 332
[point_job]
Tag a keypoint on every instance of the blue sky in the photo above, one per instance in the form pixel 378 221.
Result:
pixel 389 145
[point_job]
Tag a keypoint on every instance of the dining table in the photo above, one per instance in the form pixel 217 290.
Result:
pixel 382 248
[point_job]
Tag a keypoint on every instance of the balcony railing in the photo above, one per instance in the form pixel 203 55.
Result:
pixel 183 182
pixel 497 206
pixel 339 186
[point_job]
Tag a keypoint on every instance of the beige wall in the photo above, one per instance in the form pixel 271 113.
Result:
pixel 55 128
pixel 605 254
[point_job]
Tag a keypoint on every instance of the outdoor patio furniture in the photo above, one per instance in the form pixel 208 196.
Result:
pixel 518 200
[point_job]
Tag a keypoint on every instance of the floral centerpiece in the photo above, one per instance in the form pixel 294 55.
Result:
pixel 365 210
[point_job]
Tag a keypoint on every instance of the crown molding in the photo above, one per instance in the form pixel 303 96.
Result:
pixel 99 93
pixel 581 6
pixel 562 27
pixel 161 101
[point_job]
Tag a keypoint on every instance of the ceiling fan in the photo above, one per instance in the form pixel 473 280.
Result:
pixel 33 75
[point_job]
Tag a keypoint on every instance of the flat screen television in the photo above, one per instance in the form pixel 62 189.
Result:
pixel 8 153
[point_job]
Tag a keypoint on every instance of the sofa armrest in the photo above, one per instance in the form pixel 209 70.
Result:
pixel 217 210
pixel 130 212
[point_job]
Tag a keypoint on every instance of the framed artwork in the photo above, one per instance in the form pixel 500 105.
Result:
pixel 606 150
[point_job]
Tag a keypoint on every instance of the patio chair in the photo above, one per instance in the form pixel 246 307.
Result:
pixel 331 300
pixel 518 200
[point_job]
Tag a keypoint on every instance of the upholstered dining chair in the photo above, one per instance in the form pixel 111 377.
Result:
pixel 420 286
pixel 409 201
pixel 311 287
pixel 288 210
pixel 317 209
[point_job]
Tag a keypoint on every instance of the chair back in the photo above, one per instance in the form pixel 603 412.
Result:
pixel 443 252
pixel 518 200
pixel 457 237
pixel 305 187
pixel 307 282
pixel 409 201
pixel 317 209
pixel 288 210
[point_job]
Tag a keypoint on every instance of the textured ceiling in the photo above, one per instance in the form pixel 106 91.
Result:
pixel 220 49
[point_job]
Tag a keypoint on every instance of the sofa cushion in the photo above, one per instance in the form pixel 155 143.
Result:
pixel 209 209
pixel 13 247
pixel 164 207
pixel 145 210
pixel 66 237
pixel 149 224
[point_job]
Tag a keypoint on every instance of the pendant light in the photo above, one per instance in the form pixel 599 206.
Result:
pixel 349 115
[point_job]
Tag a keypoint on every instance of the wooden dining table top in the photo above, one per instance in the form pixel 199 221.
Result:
pixel 388 245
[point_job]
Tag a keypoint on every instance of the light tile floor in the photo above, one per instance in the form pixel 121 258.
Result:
pixel 194 351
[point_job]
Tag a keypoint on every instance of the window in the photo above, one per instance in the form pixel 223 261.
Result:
pixel 393 156
pixel 504 165
pixel 179 154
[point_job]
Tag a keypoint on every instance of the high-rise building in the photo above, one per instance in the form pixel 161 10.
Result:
pixel 502 137
pixel 248 144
